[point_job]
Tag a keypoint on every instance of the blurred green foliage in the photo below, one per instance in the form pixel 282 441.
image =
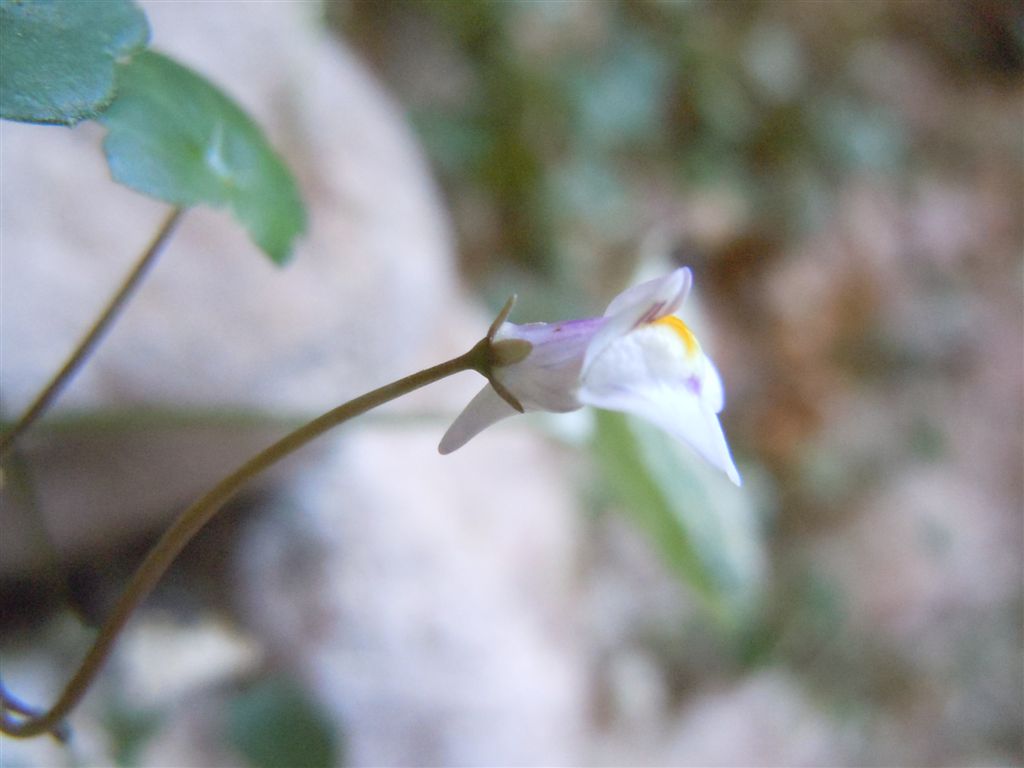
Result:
pixel 566 122
pixel 274 723
pixel 705 529
pixel 130 728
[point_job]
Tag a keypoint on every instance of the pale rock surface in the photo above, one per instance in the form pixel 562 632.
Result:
pixel 428 599
pixel 767 717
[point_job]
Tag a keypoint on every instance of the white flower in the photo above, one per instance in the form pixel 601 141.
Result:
pixel 638 358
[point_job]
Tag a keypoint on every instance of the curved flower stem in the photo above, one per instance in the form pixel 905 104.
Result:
pixel 199 514
pixel 92 338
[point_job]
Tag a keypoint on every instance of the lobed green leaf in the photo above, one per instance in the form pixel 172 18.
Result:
pixel 174 136
pixel 58 57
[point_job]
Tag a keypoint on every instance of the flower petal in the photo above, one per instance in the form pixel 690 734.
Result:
pixel 641 303
pixel 483 410
pixel 678 412
pixel 712 391
pixel 675 285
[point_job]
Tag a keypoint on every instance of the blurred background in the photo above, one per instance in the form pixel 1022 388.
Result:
pixel 845 180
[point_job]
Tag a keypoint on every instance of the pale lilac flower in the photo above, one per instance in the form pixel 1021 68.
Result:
pixel 638 358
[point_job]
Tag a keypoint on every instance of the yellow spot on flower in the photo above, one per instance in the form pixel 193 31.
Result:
pixel 683 331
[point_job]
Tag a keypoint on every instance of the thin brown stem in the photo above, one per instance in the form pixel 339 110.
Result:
pixel 199 514
pixel 92 338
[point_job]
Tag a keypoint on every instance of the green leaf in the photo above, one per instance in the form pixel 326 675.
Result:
pixel 703 526
pixel 174 136
pixel 57 57
pixel 275 724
